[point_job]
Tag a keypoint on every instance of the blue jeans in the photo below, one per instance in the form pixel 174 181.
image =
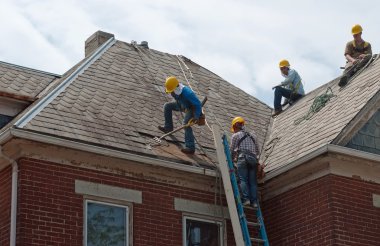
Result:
pixel 169 107
pixel 247 171
pixel 280 92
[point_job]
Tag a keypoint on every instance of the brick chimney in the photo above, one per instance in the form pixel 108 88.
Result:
pixel 95 41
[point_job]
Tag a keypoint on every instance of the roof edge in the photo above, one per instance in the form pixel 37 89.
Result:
pixel 28 116
pixel 38 137
pixel 328 148
pixel 359 120
pixel 30 69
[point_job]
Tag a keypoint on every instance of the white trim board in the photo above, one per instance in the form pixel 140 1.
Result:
pixel 108 191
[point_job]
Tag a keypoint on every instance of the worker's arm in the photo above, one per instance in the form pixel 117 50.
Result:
pixel 348 51
pixel 194 101
pixel 257 146
pixel 350 58
pixel 367 52
pixel 233 145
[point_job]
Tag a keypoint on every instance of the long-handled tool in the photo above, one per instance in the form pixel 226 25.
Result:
pixel 158 139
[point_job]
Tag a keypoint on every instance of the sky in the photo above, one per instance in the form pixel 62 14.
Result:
pixel 240 40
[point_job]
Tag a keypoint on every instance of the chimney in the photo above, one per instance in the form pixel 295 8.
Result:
pixel 95 41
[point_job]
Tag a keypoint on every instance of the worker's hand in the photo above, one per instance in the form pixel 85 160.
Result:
pixel 362 56
pixel 193 121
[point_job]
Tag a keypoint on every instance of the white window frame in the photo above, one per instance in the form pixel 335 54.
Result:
pixel 127 218
pixel 219 222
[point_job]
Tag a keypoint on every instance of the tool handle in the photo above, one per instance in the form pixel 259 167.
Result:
pixel 204 101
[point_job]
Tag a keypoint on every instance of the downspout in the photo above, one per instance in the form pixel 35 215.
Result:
pixel 13 197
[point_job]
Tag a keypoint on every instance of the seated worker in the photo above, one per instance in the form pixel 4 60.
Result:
pixel 357 53
pixel 291 88
pixel 187 101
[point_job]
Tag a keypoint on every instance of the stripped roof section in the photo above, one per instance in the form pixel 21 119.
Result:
pixel 287 142
pixel 23 81
pixel 117 103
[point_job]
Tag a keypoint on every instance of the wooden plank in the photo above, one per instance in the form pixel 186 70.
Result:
pixel 223 167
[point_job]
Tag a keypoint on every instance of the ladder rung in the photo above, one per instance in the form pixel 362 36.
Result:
pixel 253 224
pixel 257 240
pixel 250 208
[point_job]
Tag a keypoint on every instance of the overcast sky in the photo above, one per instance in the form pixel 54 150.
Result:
pixel 240 40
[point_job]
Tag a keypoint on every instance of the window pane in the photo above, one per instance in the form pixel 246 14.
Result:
pixel 200 233
pixel 106 225
pixel 4 119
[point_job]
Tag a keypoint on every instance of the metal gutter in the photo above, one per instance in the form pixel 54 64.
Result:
pixel 324 149
pixel 62 86
pixel 108 152
pixel 352 152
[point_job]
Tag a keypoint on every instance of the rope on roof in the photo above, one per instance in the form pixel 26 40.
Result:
pixel 318 103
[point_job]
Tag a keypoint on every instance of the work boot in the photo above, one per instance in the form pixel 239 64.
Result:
pixel 276 112
pixel 188 151
pixel 343 81
pixel 246 203
pixel 254 205
pixel 164 129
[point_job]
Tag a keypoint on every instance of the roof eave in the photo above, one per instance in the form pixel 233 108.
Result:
pixel 360 119
pixel 38 137
pixel 328 148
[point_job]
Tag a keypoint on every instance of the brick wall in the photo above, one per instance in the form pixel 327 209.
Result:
pixel 50 213
pixel 329 211
pixel 5 204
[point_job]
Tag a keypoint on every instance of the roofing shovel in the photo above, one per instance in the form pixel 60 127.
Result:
pixel 158 139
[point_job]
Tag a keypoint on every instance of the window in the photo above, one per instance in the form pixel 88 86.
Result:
pixel 106 224
pixel 201 232
pixel 4 119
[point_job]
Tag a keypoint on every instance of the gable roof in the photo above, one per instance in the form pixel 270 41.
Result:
pixel 288 142
pixel 117 102
pixel 23 82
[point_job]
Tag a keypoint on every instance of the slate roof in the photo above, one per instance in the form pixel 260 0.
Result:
pixel 23 81
pixel 287 142
pixel 117 102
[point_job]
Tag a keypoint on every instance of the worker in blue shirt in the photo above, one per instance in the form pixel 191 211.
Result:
pixel 291 88
pixel 187 101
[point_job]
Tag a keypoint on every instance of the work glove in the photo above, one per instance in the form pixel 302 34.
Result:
pixel 193 121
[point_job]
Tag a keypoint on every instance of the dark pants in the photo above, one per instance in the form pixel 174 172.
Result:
pixel 247 171
pixel 282 92
pixel 169 107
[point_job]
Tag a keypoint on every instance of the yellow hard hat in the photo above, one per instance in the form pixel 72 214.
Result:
pixel 356 29
pixel 170 84
pixel 284 63
pixel 236 120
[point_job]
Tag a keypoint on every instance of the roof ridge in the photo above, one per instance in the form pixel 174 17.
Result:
pixel 30 69
pixel 62 86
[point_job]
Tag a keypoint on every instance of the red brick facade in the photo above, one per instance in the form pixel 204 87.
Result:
pixel 332 210
pixel 5 204
pixel 51 213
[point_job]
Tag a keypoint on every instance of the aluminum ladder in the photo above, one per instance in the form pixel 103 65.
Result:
pixel 239 221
